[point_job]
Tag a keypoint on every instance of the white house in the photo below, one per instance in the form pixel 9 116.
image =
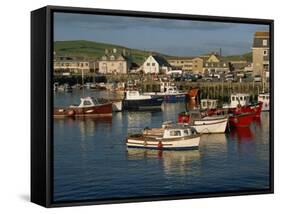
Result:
pixel 113 63
pixel 156 64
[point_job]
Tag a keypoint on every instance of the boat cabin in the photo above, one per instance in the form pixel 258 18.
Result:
pixel 178 132
pixel 135 95
pixel 209 103
pixel 171 90
pixel 263 97
pixel 170 130
pixel 239 99
pixel 87 102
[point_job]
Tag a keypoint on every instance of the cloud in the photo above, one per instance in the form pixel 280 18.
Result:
pixel 104 22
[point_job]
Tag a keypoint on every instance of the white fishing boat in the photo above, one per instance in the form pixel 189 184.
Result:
pixel 211 127
pixel 169 137
pixel 209 124
pixel 265 99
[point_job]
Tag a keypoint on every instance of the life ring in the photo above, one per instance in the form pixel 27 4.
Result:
pixel 160 145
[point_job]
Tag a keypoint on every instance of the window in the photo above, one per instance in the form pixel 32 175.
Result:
pixel 175 133
pixel 264 42
pixel 86 103
pixel 186 132
pixel 148 64
pixel 153 64
pixel 265 52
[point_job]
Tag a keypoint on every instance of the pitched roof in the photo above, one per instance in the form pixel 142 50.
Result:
pixel 161 60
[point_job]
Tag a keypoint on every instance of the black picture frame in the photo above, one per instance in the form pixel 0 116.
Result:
pixel 42 102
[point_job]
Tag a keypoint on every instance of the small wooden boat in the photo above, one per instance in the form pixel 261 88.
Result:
pixel 89 106
pixel 241 120
pixel 169 137
pixel 135 101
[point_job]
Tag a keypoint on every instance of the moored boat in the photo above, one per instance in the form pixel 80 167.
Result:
pixel 170 94
pixel 135 101
pixel 204 125
pixel 88 106
pixel 169 137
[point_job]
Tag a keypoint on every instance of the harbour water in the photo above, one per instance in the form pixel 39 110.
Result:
pixel 91 160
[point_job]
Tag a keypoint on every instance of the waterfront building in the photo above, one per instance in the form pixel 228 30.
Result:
pixel 156 64
pixel 113 62
pixel 261 53
pixel 64 64
pixel 213 63
pixel 183 63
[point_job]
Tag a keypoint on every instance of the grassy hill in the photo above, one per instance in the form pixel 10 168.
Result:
pixel 95 49
pixel 91 49
pixel 246 56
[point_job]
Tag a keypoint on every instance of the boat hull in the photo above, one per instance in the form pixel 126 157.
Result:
pixel 183 143
pixel 143 104
pixel 175 98
pixel 210 127
pixel 255 109
pixel 99 110
pixel 241 120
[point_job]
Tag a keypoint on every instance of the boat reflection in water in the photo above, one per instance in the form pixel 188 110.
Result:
pixel 173 162
pixel 241 135
pixel 216 144
pixel 87 125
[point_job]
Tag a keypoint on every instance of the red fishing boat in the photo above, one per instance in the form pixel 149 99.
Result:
pixel 253 108
pixel 241 119
pixel 89 106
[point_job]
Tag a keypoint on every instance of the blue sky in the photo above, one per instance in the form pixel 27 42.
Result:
pixel 173 37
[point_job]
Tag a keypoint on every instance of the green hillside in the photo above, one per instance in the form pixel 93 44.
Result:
pixel 95 49
pixel 91 49
pixel 246 56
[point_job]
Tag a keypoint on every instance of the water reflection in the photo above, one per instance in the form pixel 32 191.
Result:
pixel 86 125
pixel 217 143
pixel 174 162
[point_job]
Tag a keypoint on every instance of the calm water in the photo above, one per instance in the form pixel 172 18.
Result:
pixel 91 160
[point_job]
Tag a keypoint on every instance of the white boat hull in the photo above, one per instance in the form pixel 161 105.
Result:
pixel 210 120
pixel 207 127
pixel 183 143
